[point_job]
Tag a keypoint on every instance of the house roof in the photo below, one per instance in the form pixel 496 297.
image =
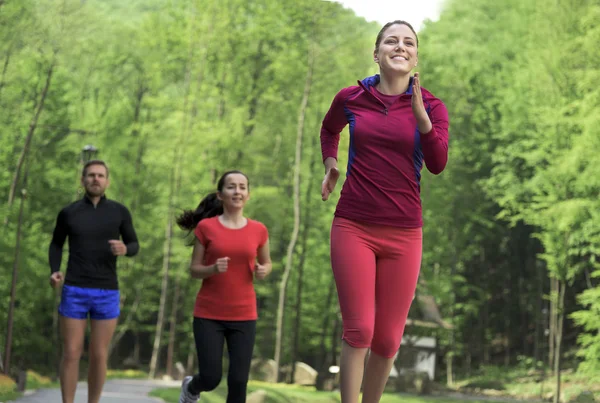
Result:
pixel 424 311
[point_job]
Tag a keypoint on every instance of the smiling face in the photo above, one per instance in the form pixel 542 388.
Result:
pixel 95 180
pixel 396 50
pixel 234 193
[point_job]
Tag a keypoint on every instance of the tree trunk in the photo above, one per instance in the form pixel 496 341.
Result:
pixel 136 348
pixel 172 328
pixel 4 69
pixel 138 140
pixel 191 358
pixel 449 362
pixel 468 362
pixel 452 346
pixel 296 228
pixel 451 351
pixel 163 291
pixel 335 340
pixel 323 356
pixel 125 326
pixel 189 116
pixel 539 317
pixel 30 132
pixel 260 67
pixel 221 86
pixel 484 317
pixel 552 326
pixel 561 285
pixel 56 334
pixel 524 320
pixel 175 185
pixel 305 232
pixel 13 288
pixel 588 279
pixel 507 320
pixel 486 342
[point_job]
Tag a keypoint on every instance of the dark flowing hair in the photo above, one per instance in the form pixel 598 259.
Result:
pixel 210 206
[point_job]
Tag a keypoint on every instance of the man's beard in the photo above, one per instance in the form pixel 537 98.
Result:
pixel 94 192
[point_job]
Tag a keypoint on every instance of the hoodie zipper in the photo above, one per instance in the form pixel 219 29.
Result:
pixel 385 109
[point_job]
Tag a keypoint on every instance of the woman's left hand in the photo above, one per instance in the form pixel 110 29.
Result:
pixel 418 106
pixel 262 271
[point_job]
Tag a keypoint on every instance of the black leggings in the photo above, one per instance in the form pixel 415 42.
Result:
pixel 210 336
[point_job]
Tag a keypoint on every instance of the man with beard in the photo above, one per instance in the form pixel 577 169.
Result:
pixel 99 230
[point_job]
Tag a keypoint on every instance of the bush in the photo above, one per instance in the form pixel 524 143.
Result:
pixel 588 319
pixel 7 385
pixel 36 381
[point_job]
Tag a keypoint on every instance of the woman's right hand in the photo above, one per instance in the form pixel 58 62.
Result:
pixel 329 182
pixel 221 265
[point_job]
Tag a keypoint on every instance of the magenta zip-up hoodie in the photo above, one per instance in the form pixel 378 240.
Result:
pixel 386 153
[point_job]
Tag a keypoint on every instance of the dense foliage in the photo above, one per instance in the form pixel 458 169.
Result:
pixel 175 92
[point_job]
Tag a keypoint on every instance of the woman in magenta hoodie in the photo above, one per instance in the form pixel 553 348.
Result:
pixel 376 237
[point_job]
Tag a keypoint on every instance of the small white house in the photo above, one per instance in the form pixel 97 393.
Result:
pixel 417 354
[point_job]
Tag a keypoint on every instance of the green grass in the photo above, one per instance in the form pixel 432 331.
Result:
pixel 526 383
pixel 282 393
pixel 7 396
pixel 126 374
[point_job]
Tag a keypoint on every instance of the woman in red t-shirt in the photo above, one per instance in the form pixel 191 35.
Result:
pixel 226 250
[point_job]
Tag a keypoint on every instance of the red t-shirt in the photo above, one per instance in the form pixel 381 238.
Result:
pixel 229 295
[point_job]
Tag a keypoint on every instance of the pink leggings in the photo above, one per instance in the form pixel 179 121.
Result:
pixel 376 269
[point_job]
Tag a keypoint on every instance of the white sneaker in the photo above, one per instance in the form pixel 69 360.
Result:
pixel 185 396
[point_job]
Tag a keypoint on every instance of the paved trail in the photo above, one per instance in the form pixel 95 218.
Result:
pixel 115 391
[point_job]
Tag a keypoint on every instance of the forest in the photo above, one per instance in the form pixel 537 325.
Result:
pixel 174 93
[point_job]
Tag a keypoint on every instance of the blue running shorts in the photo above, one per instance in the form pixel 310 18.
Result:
pixel 78 302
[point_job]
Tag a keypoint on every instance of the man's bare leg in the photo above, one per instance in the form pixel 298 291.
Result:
pixel 72 333
pixel 101 335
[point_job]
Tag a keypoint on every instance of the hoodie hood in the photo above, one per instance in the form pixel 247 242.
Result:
pixel 372 81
